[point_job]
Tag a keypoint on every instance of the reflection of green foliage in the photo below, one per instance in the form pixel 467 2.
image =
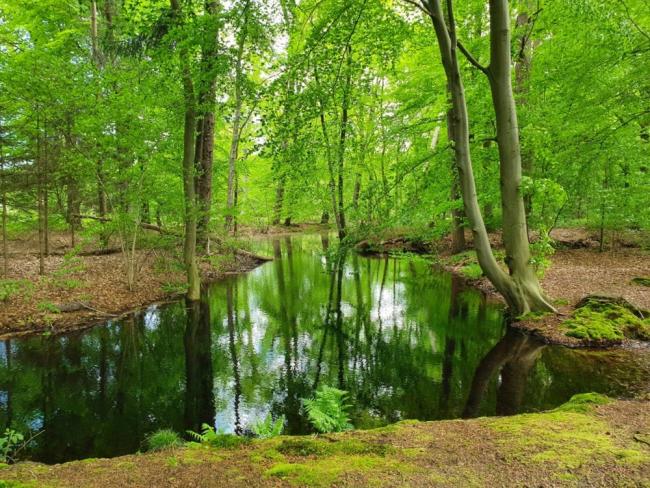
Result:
pixel 328 410
pixel 163 439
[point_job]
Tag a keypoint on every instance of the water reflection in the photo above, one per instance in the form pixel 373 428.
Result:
pixel 407 342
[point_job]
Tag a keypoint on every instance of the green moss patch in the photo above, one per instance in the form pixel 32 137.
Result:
pixel 565 438
pixel 604 319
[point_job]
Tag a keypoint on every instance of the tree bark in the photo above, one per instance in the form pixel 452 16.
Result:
pixel 236 123
pixel 189 189
pixel 204 146
pixel 524 290
pixel 520 289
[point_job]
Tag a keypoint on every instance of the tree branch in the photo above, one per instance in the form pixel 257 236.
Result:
pixel 473 61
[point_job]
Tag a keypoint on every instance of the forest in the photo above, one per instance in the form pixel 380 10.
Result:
pixel 291 243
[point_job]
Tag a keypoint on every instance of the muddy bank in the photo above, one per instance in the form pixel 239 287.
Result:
pixel 79 292
pixel 589 441
pixel 578 270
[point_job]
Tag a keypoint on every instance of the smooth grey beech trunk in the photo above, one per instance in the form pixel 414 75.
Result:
pixel 520 287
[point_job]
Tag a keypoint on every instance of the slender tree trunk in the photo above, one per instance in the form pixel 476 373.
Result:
pixel 458 231
pixel 204 148
pixel 520 289
pixel 39 198
pixel 526 293
pixel 279 200
pixel 236 123
pixel 189 189
pixel 5 257
pixel 342 139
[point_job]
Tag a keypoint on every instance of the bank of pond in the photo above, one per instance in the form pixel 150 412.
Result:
pixel 406 342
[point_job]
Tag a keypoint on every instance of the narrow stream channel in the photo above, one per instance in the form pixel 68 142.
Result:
pixel 405 341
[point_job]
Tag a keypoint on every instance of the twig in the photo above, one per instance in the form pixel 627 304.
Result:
pixel 473 61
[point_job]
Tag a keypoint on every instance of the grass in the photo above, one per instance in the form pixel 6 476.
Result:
pixel 163 439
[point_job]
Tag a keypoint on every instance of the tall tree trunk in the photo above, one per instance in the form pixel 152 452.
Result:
pixel 39 198
pixel 526 293
pixel 342 139
pixel 458 231
pixel 279 200
pixel 5 257
pixel 189 189
pixel 520 289
pixel 236 123
pixel 204 148
pixel 523 60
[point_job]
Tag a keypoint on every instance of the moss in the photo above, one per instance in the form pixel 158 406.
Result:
pixel 599 321
pixel 326 471
pixel 583 402
pixel 329 447
pixel 533 316
pixel 20 484
pixel 564 439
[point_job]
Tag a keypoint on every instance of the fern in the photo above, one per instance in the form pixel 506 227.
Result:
pixel 216 438
pixel 328 410
pixel 268 428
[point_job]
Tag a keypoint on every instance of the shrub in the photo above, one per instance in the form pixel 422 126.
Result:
pixel 328 410
pixel 163 439
pixel 10 443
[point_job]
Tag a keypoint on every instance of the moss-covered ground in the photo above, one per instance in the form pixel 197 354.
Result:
pixel 589 441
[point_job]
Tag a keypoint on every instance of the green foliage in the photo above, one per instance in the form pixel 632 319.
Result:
pixel 163 439
pixel 541 250
pixel 47 306
pixel 217 438
pixel 268 427
pixel 599 321
pixel 328 410
pixel 10 442
pixel 641 281
pixel 472 271
pixel 15 288
pixel 174 287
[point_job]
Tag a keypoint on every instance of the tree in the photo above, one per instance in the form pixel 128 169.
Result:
pixel 520 287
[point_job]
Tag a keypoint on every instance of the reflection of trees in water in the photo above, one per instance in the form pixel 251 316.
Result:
pixel 197 340
pixel 514 355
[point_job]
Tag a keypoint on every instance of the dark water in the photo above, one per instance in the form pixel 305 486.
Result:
pixel 405 341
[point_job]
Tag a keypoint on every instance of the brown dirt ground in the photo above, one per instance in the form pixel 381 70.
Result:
pixel 100 283
pixel 601 446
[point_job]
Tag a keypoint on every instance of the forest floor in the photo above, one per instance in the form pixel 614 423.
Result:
pixel 589 441
pixel 80 290
pixel 578 269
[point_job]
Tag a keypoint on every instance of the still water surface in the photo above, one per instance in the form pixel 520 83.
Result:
pixel 405 341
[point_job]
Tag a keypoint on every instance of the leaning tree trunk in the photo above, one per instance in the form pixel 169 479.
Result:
pixel 526 293
pixel 520 289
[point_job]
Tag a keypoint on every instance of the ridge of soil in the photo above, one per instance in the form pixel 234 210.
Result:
pixel 587 442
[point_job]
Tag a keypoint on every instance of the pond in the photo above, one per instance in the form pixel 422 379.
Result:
pixel 407 342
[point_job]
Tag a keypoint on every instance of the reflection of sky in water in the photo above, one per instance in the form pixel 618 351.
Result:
pixel 396 349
